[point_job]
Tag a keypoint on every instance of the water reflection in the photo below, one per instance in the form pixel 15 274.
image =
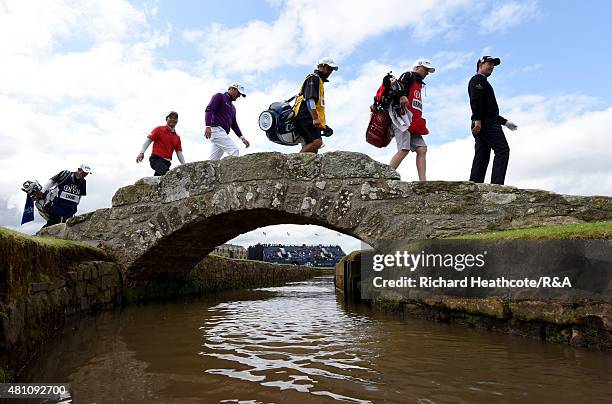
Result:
pixel 298 343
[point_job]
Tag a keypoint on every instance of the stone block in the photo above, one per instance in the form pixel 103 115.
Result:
pixel 92 290
pixel 105 268
pixel 252 167
pixel 40 286
pixel 549 311
pixel 14 322
pixel 109 281
pixel 106 297
pixel 64 296
pixel 80 289
pixel 144 190
pixel 354 165
pixel 490 307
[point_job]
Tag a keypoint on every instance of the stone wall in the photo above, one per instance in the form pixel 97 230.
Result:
pixel 217 274
pixel 580 323
pixel 29 320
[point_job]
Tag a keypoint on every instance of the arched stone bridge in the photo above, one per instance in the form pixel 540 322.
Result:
pixel 163 226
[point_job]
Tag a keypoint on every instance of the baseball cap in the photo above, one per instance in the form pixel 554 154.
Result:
pixel 328 61
pixel 425 63
pixel 171 113
pixel 238 87
pixel 485 59
pixel 86 168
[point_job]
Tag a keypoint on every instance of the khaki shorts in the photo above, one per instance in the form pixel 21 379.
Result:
pixel 407 141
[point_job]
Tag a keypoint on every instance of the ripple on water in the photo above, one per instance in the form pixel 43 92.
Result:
pixel 285 342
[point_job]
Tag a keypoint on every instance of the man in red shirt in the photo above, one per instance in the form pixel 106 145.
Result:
pixel 165 141
pixel 410 127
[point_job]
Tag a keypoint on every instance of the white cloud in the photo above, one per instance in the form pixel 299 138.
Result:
pixel 297 235
pixel 36 27
pixel 509 15
pixel 306 31
pixel 447 61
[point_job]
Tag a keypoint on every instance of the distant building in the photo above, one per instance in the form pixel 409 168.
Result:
pixel 231 251
pixel 320 256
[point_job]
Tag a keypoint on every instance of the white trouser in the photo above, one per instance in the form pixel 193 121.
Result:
pixel 221 143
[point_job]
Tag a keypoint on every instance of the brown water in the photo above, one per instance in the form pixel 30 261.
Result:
pixel 300 344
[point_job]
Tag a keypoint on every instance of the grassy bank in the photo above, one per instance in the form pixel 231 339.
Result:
pixel 24 239
pixel 25 259
pixel 593 230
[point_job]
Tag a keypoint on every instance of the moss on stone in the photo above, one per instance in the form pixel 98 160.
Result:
pixel 28 259
pixel 3 375
pixel 594 230
pixel 51 242
pixel 353 256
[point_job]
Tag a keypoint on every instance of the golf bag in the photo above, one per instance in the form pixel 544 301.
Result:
pixel 277 122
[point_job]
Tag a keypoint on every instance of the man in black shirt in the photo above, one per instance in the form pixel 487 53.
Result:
pixel 310 106
pixel 486 125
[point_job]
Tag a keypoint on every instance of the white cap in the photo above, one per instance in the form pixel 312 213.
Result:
pixel 86 168
pixel 425 63
pixel 328 61
pixel 238 87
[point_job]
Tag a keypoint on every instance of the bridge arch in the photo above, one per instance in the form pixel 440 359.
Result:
pixel 163 226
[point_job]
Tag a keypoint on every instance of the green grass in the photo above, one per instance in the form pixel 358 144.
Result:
pixel 20 238
pixel 593 230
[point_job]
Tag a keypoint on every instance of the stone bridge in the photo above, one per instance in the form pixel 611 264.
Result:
pixel 161 227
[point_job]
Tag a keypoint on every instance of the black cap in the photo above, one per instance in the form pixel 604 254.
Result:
pixel 172 113
pixel 485 59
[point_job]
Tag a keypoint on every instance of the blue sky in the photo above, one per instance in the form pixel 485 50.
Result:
pixel 86 81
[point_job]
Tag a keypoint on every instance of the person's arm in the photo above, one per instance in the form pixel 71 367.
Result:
pixel 144 148
pixel 179 155
pixel 311 104
pixel 475 91
pixel 178 148
pixel 236 128
pixel 238 133
pixel 311 97
pixel 41 194
pixel 212 106
pixel 48 186
pixel 509 124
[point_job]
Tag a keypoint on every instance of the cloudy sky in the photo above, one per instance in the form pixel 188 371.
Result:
pixel 86 81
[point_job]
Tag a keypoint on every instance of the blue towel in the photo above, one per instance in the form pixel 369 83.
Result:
pixel 28 211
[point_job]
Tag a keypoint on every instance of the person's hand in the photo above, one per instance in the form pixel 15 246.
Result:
pixel 317 123
pixel 476 128
pixel 38 194
pixel 403 102
pixel 246 142
pixel 511 125
pixel 140 157
pixel 207 132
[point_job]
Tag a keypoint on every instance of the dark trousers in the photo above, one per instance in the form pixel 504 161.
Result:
pixel 160 165
pixel 491 136
pixel 303 126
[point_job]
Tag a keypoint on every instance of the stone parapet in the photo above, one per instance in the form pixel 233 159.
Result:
pixel 163 226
